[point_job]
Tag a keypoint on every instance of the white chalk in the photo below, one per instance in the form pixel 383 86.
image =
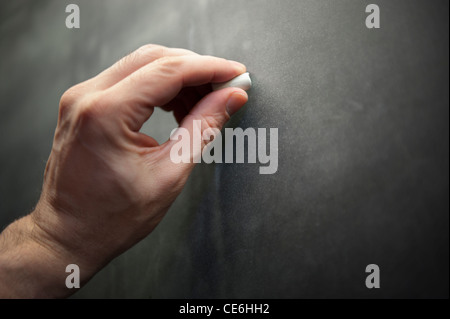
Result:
pixel 242 81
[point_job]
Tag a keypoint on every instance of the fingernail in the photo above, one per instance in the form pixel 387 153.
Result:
pixel 235 102
pixel 238 65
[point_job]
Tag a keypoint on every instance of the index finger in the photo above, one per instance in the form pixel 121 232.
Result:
pixel 132 62
pixel 160 81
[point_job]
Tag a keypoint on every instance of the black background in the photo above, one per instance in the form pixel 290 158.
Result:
pixel 363 143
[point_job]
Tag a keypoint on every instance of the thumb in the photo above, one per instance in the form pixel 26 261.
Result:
pixel 218 106
pixel 210 113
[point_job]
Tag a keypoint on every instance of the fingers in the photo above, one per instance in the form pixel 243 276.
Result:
pixel 217 107
pixel 133 62
pixel 188 97
pixel 184 101
pixel 212 112
pixel 159 82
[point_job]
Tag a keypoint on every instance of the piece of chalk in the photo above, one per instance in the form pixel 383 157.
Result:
pixel 242 81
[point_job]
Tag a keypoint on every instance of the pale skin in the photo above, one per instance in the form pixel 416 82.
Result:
pixel 106 185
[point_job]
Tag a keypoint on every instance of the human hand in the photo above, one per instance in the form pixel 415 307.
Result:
pixel 106 185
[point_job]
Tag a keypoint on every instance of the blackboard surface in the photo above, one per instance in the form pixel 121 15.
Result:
pixel 363 143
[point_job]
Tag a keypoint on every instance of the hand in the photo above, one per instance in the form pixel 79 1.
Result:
pixel 106 185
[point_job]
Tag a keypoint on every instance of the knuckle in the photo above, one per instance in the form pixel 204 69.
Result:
pixel 170 63
pixel 170 67
pixel 68 99
pixel 212 121
pixel 148 52
pixel 208 122
pixel 92 109
pixel 149 49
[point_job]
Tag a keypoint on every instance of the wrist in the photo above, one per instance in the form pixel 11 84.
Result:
pixel 62 236
pixel 28 268
pixel 33 263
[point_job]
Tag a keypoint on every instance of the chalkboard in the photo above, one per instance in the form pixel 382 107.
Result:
pixel 362 117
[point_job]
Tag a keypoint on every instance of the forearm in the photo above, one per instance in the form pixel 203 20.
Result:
pixel 31 267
